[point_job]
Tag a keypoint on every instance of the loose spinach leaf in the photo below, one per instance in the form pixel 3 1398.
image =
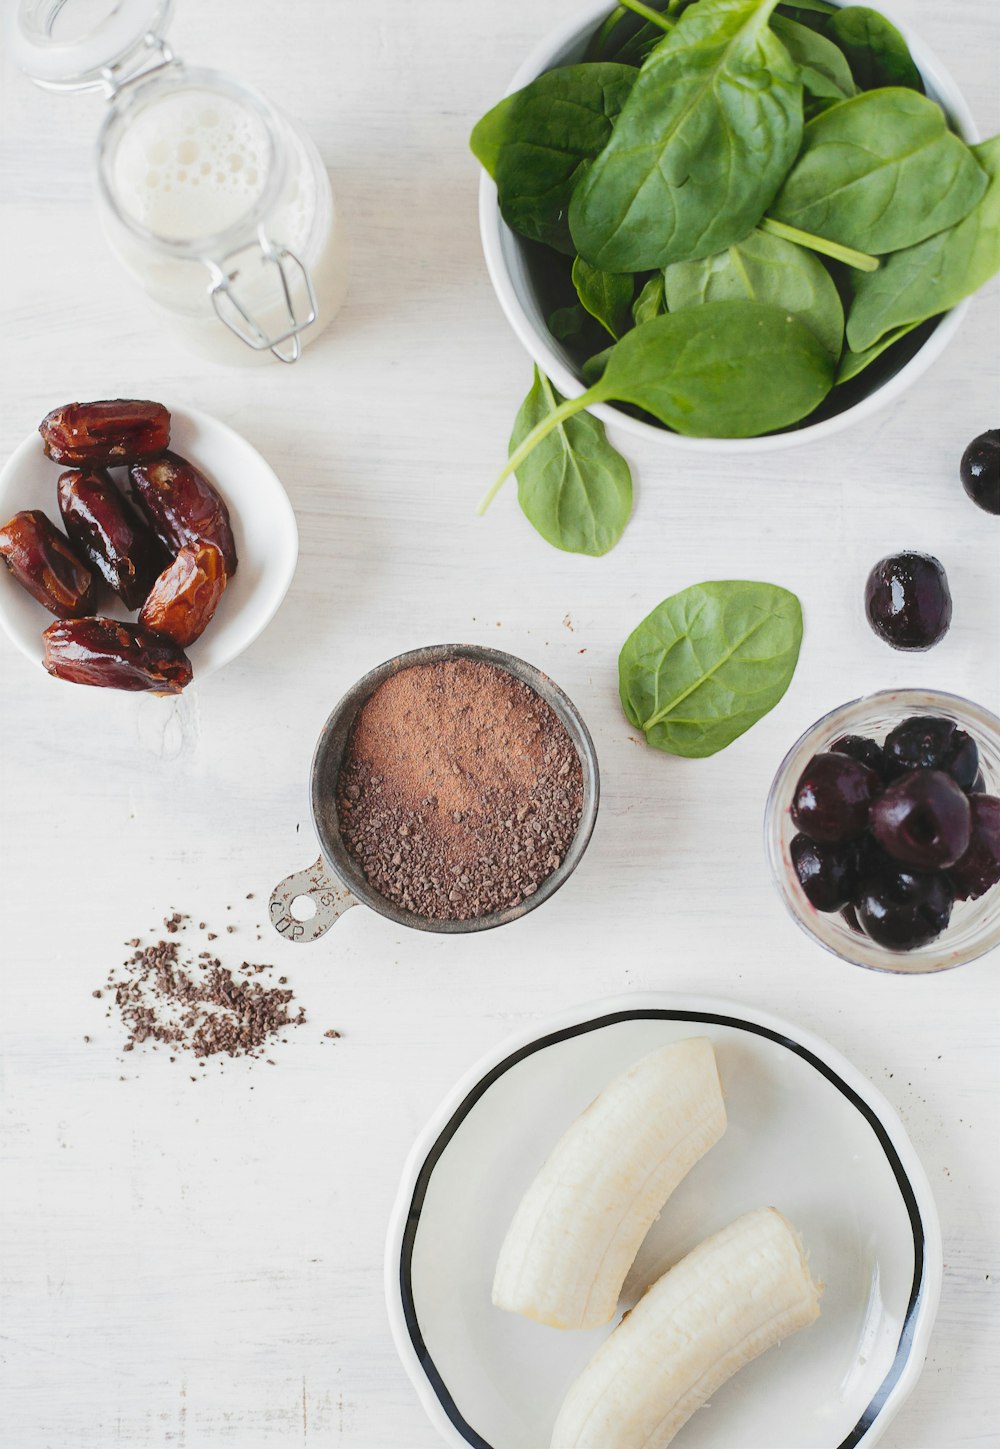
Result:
pixel 854 362
pixel 767 269
pixel 574 488
pixel 700 147
pixel 722 370
pixel 822 67
pixel 650 302
pixel 708 663
pixel 877 53
pixel 924 280
pixel 605 295
pixel 879 172
pixel 535 142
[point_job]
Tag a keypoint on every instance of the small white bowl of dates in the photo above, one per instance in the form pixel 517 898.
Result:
pixel 883 831
pixel 142 546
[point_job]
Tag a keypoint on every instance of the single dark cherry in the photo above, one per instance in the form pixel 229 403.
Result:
pixel 978 870
pixel 980 470
pixel 832 798
pixel 908 601
pixel 927 742
pixel 860 747
pixel 902 909
pixel 828 874
pixel 923 820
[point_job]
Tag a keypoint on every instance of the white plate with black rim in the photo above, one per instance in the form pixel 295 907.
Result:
pixel 807 1134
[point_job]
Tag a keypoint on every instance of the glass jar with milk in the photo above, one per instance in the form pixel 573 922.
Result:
pixel 216 202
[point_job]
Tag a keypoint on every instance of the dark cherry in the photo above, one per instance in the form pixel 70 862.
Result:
pixel 927 742
pixel 832 798
pixel 908 601
pixel 980 470
pixel 828 874
pixel 923 820
pixel 978 870
pixel 902 909
pixel 861 748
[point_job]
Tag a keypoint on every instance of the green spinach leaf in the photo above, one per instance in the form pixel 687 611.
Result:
pixel 877 53
pixel 700 147
pixel 879 172
pixel 722 370
pixel 535 142
pixel 730 369
pixel 767 269
pixel 574 488
pixel 924 280
pixel 822 66
pixel 708 663
pixel 605 295
pixel 651 301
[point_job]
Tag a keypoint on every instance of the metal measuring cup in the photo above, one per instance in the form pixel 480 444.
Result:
pixel 336 881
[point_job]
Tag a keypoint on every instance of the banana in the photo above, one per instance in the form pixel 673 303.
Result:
pixel 738 1293
pixel 579 1225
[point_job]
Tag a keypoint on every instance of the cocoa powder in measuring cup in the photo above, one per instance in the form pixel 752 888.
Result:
pixel 461 790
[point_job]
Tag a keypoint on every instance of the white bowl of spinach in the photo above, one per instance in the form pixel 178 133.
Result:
pixel 731 225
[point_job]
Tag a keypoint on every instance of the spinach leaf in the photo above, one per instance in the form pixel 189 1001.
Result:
pixel 766 269
pixel 822 67
pixel 708 663
pixel 535 142
pixel 722 370
pixel 924 280
pixel 854 362
pixel 651 301
pixel 877 53
pixel 879 172
pixel 575 488
pixel 605 295
pixel 701 145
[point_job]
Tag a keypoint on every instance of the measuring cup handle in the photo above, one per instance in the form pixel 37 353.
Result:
pixel 330 898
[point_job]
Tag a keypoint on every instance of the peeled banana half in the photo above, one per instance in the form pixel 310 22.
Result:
pixel 578 1227
pixel 734 1296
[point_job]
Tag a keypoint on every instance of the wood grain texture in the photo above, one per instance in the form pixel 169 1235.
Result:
pixel 199 1264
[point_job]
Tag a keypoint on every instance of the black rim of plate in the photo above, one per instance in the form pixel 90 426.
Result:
pixel 430 1369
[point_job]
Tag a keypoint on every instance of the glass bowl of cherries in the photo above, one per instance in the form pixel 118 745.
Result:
pixel 883 831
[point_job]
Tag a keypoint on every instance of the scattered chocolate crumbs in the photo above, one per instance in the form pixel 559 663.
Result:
pixel 461 790
pixel 331 1034
pixel 98 994
pixel 196 1004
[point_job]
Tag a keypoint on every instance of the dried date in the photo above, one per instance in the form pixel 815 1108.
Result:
pixel 109 533
pixel 114 655
pixel 183 506
pixel 43 562
pixel 119 430
pixel 186 595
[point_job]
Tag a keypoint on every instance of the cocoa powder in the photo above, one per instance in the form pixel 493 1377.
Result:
pixel 461 790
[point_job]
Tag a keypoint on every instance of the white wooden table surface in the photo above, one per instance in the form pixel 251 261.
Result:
pixel 201 1264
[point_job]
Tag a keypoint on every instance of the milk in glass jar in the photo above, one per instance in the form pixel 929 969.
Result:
pixel 215 202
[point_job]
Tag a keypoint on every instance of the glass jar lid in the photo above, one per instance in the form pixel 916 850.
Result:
pixel 78 45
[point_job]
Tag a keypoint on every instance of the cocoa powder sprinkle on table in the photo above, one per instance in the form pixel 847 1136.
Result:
pixel 461 790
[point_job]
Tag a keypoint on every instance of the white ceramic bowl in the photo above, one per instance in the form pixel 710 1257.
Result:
pixel 267 539
pixel 807 1133
pixel 507 262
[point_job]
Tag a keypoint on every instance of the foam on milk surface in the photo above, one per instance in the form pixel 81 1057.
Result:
pixel 193 164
